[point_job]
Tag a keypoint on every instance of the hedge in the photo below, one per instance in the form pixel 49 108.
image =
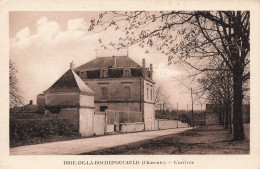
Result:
pixel 28 129
pixel 32 116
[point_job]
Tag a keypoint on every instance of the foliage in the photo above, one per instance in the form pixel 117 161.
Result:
pixel 15 93
pixel 161 100
pixel 26 130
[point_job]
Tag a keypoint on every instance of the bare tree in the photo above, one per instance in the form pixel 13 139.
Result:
pixel 217 86
pixel 193 38
pixel 15 93
pixel 161 100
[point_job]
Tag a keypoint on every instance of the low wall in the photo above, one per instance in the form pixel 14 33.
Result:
pixel 132 127
pixel 161 124
pixel 110 128
pixel 99 124
pixel 166 124
pixel 156 125
pixel 180 124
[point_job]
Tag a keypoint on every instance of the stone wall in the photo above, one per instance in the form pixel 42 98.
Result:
pixel 161 124
pixel 109 128
pixel 132 127
pixel 62 99
pixel 180 124
pixel 69 113
pixel 86 101
pixel 166 124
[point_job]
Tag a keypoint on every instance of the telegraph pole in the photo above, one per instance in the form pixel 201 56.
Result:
pixel 192 108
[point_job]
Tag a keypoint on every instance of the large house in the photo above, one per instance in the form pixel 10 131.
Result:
pixel 118 83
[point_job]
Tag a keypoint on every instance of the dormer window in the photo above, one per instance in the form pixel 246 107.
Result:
pixel 127 73
pixel 104 73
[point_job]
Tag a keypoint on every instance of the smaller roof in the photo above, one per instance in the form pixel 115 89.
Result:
pixel 69 82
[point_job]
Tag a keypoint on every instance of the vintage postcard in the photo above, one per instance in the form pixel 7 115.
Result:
pixel 129 84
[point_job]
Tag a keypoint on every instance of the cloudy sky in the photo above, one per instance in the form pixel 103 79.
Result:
pixel 42 44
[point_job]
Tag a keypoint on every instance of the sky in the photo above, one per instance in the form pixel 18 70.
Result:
pixel 42 45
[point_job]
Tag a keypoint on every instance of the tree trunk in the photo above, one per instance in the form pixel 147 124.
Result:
pixel 230 119
pixel 237 106
pixel 226 116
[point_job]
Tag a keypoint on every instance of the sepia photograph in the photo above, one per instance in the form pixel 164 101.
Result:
pixel 141 84
pixel 135 82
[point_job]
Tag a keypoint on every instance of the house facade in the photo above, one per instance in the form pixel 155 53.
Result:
pixel 119 83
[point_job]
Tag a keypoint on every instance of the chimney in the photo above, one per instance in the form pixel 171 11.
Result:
pixel 143 66
pixel 31 102
pixel 72 65
pixel 114 60
pixel 143 63
pixel 151 71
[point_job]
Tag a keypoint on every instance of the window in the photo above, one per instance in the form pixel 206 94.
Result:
pixel 115 73
pixel 104 93
pixel 92 74
pixel 104 73
pixel 151 95
pixel 103 108
pixel 147 92
pixel 136 72
pixel 127 92
pixel 126 73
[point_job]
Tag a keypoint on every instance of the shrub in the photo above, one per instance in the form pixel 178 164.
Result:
pixel 26 130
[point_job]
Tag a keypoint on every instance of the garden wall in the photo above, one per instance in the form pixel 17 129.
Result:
pixel 166 124
pixel 161 124
pixel 132 127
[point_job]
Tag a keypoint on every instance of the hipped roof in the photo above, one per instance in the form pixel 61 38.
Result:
pixel 108 62
pixel 69 82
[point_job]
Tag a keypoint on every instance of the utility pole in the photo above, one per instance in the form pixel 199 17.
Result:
pixel 192 108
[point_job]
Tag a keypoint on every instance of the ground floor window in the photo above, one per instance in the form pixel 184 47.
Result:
pixel 103 108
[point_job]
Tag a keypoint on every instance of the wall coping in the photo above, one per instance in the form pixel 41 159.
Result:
pixel 131 123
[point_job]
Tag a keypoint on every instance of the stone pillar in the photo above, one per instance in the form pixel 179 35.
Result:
pixel 86 115
pixel 86 119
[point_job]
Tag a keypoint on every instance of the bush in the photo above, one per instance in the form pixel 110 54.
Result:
pixel 32 116
pixel 26 130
